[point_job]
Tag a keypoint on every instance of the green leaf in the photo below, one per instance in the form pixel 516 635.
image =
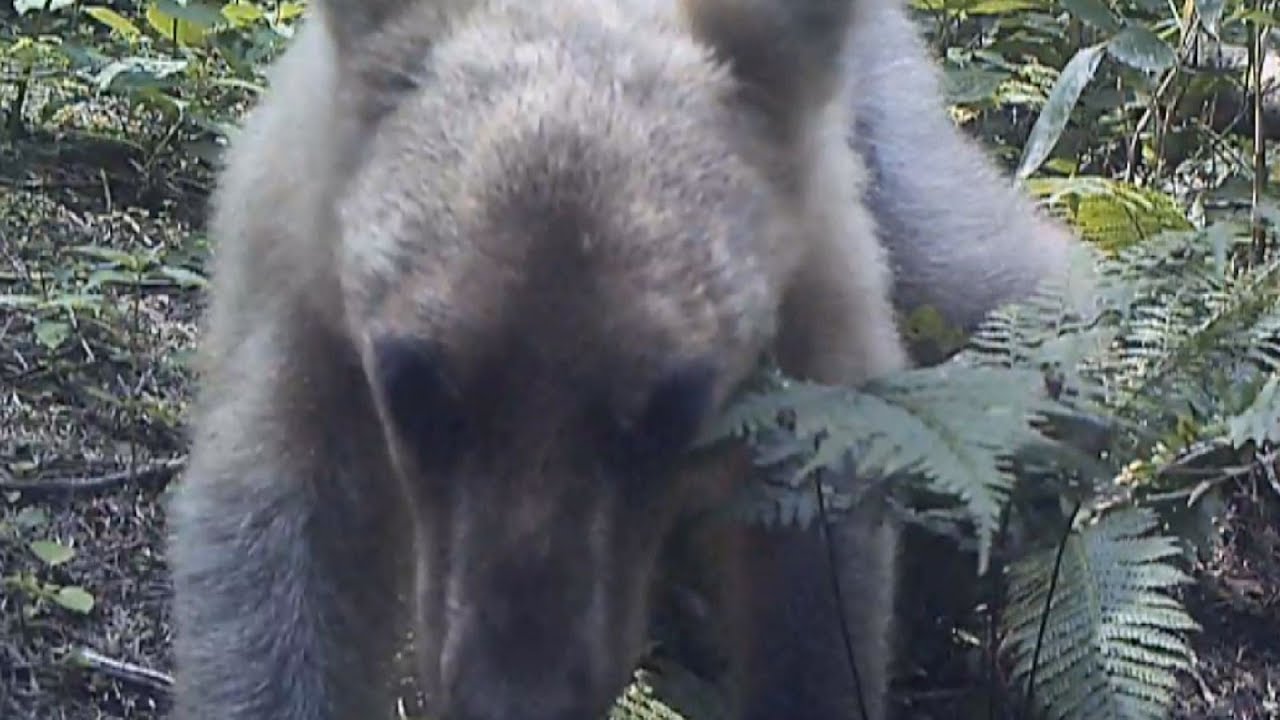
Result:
pixel 184 277
pixel 199 14
pixel 110 254
pixel 1138 47
pixel 1260 422
pixel 926 324
pixel 1115 636
pixel 241 13
pixel 1261 18
pixel 918 422
pixel 74 598
pixel 98 278
pixel 970 85
pixel 74 301
pixel 1093 12
pixel 179 30
pixel 31 517
pixel 1057 109
pixel 52 552
pixel 19 301
pixel 1210 14
pixel 114 20
pixel 290 10
pixel 81 56
pixel 1112 214
pixel 25 6
pixel 136 73
pixel 1000 7
pixel 52 333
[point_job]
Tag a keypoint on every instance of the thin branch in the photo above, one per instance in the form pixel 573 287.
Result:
pixel 833 572
pixel 161 470
pixel 1048 607
pixel 1185 49
pixel 1257 52
pixel 121 670
pixel 1183 468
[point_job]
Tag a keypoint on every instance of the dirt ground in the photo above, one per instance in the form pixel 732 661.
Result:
pixel 91 402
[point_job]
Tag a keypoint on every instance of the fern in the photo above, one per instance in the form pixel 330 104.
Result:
pixel 1181 349
pixel 1166 341
pixel 640 702
pixel 1259 423
pixel 1114 636
pixel 1195 339
pixel 954 426
pixel 665 691
pixel 1112 214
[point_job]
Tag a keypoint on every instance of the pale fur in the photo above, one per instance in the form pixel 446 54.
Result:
pixel 962 237
pixel 845 268
pixel 340 220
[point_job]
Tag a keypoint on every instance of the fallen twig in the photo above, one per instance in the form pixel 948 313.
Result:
pixel 160 470
pixel 121 670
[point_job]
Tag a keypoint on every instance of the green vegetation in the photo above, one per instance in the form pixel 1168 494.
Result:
pixel 1085 465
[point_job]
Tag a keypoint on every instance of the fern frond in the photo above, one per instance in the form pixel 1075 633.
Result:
pixel 640 701
pixel 1259 423
pixel 1263 348
pixel 1114 638
pixel 1111 214
pixel 1194 336
pixel 953 426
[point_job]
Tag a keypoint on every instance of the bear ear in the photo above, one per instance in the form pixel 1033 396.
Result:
pixel 351 21
pixel 425 410
pixel 787 54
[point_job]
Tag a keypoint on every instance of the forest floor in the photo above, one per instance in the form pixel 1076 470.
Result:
pixel 100 251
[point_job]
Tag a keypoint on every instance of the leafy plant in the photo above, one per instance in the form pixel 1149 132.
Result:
pixel 50 553
pixel 1180 351
pixel 190 61
pixel 1111 638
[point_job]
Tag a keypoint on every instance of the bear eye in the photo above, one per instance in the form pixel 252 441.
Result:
pixel 426 410
pixel 673 413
